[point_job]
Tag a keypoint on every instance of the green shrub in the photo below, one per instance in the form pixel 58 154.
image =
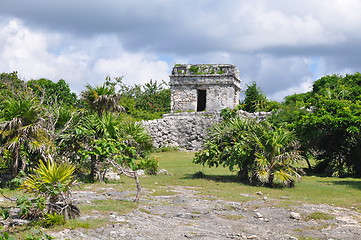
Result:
pixel 149 165
pixel 30 208
pixel 4 213
pixel 52 219
pixel 6 236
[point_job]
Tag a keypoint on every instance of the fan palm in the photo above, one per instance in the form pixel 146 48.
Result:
pixel 102 98
pixel 276 152
pixel 262 153
pixel 23 132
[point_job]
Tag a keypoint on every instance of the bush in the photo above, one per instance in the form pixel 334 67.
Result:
pixel 149 165
pixel 30 208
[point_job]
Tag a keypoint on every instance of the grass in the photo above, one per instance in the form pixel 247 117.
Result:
pixel 231 217
pixel 221 183
pixel 107 206
pixel 320 216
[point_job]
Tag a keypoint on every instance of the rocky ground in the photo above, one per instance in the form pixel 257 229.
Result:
pixel 188 215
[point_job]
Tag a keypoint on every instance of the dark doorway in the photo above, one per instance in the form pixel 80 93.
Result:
pixel 201 100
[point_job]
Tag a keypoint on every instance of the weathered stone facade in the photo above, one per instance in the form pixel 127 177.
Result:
pixel 199 87
pixel 187 130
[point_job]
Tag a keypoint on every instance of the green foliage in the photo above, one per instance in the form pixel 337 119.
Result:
pixel 228 113
pixel 24 133
pixel 102 98
pixel 256 101
pixel 38 235
pixel 194 69
pixel 4 213
pixel 134 135
pixel 15 182
pixel 262 153
pixel 98 138
pixel 53 93
pixel 320 216
pixel 327 123
pixel 11 86
pixel 144 102
pixel 52 181
pixel 6 236
pixel 148 164
pixel 30 208
pixel 53 219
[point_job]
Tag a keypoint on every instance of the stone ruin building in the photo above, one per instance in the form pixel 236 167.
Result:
pixel 199 92
pixel 204 87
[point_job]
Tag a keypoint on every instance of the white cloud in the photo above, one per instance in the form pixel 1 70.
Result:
pixel 135 68
pixel 304 86
pixel 271 42
pixel 36 54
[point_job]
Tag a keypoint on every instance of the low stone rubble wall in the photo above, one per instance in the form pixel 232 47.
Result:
pixel 187 130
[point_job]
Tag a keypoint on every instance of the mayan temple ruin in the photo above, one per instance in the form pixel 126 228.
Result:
pixel 204 87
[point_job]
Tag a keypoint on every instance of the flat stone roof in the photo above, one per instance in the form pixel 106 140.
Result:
pixel 205 69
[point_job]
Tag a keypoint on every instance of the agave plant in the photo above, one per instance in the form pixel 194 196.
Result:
pixel 53 181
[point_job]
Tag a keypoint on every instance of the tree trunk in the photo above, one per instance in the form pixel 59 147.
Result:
pixel 308 163
pixel 94 170
pixel 357 161
pixel 13 168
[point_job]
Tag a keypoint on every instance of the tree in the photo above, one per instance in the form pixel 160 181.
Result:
pixel 102 98
pixel 256 101
pixel 53 93
pixel 96 138
pixel 24 134
pixel 328 123
pixel 263 154
pixel 148 101
pixel 11 86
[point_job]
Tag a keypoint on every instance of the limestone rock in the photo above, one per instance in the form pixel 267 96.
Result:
pixel 295 215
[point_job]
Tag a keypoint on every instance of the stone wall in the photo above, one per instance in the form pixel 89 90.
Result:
pixel 187 130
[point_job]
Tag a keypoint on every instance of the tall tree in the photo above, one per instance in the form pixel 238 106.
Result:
pixel 255 100
pixel 102 98
pixel 11 86
pixel 24 133
pixel 329 126
pixel 53 93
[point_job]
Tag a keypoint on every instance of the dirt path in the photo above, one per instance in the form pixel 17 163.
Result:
pixel 188 215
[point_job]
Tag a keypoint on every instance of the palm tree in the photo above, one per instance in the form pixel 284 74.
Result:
pixel 23 133
pixel 276 150
pixel 102 98
pixel 263 154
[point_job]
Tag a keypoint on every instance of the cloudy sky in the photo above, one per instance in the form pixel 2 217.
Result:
pixel 282 45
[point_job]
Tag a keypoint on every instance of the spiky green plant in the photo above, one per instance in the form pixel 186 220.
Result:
pixel 53 181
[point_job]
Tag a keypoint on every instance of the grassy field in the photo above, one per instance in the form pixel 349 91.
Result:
pixel 220 182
